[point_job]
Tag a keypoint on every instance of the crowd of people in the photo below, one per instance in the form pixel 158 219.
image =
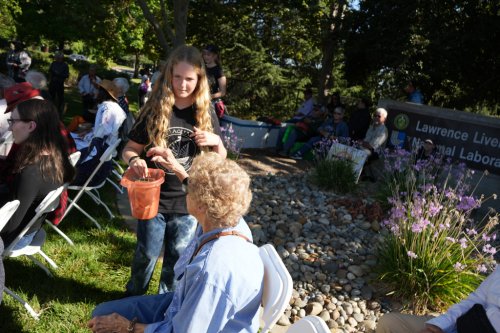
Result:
pixel 317 126
pixel 178 131
pixel 201 288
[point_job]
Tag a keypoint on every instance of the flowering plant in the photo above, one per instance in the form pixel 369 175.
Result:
pixel 231 141
pixel 435 252
pixel 333 174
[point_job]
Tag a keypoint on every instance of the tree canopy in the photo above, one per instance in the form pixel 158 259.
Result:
pixel 271 50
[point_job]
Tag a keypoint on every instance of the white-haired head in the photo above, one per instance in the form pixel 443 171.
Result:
pixel 382 113
pixel 37 79
pixel 122 84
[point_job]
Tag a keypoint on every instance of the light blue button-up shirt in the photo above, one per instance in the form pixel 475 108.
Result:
pixel 220 290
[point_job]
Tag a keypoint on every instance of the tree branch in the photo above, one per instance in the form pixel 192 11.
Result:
pixel 156 26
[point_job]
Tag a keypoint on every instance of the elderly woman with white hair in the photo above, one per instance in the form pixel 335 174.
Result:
pixel 220 273
pixel 122 84
pixel 377 134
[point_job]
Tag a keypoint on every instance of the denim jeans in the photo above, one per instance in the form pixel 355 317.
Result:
pixel 309 145
pixel 25 241
pixel 147 309
pixel 173 230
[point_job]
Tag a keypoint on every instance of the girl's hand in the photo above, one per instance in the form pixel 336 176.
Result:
pixel 140 167
pixel 165 157
pixel 204 138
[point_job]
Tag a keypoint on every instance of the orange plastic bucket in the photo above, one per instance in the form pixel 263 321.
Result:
pixel 143 193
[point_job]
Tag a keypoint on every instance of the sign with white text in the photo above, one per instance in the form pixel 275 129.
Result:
pixel 464 137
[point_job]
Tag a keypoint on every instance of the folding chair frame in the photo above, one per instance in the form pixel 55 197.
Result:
pixel 48 204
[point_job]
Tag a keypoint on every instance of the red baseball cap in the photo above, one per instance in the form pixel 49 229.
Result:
pixel 19 93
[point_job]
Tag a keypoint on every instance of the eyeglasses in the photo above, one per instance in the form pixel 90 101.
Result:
pixel 13 121
pixel 377 116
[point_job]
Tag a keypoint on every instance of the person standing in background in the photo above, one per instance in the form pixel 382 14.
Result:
pixel 414 94
pixel 18 62
pixel 88 87
pixel 216 78
pixel 58 73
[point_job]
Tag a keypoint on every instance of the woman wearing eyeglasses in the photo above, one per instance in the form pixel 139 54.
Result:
pixel 41 165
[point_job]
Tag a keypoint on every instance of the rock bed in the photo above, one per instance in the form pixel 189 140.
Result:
pixel 327 242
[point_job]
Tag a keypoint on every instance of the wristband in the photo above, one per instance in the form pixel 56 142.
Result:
pixel 130 160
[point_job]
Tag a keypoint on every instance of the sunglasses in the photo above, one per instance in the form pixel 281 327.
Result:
pixel 12 121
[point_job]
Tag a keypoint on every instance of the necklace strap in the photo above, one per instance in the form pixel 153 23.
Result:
pixel 217 236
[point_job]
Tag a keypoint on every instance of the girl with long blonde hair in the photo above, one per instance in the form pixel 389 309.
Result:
pixel 176 124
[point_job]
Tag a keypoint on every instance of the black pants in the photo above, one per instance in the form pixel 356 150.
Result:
pixel 89 103
pixel 56 91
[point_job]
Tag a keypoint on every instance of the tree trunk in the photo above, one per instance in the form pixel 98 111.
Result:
pixel 136 64
pixel 180 21
pixel 166 36
pixel 329 45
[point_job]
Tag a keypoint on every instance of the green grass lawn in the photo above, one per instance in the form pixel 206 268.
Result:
pixel 96 269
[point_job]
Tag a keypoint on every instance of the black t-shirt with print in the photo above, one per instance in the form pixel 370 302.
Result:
pixel 172 198
pixel 213 76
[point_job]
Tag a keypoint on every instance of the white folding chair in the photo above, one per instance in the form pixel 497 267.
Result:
pixel 7 211
pixel 48 204
pixel 278 286
pixel 117 172
pixel 309 324
pixel 73 158
pixel 92 191
pixel 6 142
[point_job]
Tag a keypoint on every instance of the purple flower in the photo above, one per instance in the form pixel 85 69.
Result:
pixel 471 232
pixel 467 203
pixel 420 225
pixel 463 242
pixel 450 239
pixel 411 254
pixel 434 208
pixel 459 267
pixel 489 249
pixel 481 268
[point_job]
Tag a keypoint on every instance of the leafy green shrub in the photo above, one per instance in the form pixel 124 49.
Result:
pixel 334 174
pixel 435 253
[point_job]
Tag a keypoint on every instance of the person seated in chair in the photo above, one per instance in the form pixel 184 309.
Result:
pixel 360 119
pixel 426 151
pixel 333 129
pixel 377 134
pixel 303 130
pixel 109 119
pixel 480 312
pixel 375 140
pixel 40 165
pixel 220 273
